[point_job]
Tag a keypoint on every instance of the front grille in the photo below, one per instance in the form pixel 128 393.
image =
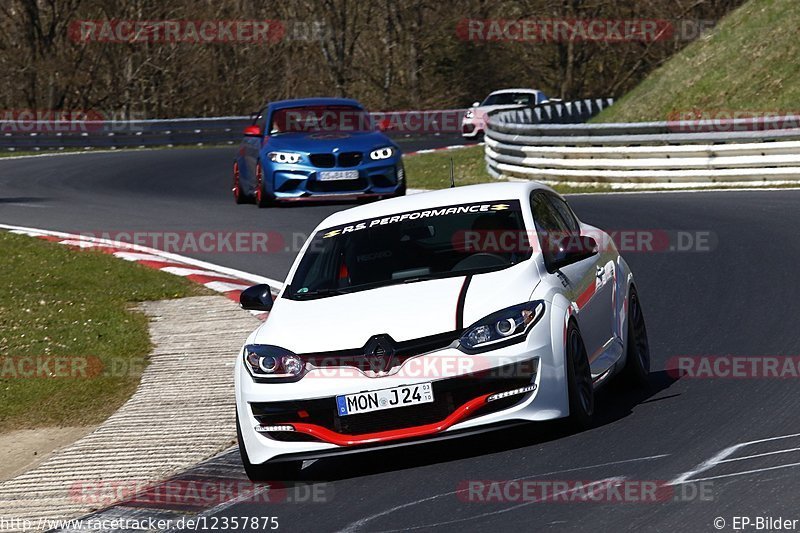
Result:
pixel 402 351
pixel 356 185
pixel 350 159
pixel 448 394
pixel 323 160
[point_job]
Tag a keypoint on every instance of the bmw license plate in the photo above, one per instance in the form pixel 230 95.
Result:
pixel 403 396
pixel 338 175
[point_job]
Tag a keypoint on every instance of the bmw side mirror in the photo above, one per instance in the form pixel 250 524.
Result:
pixel 576 248
pixel 256 298
pixel 252 131
pixel 383 125
pixel 476 104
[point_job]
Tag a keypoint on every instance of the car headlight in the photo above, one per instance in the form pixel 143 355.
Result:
pixel 469 114
pixel 382 153
pixel 284 157
pixel 502 328
pixel 272 362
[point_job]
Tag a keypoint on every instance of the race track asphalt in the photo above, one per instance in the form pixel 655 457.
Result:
pixel 739 295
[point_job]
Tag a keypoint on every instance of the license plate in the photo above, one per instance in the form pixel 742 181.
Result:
pixel 338 175
pixel 403 396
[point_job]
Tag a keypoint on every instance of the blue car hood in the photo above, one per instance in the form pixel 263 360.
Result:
pixel 327 142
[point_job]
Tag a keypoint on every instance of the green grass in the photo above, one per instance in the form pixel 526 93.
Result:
pixel 749 62
pixel 432 170
pixel 75 305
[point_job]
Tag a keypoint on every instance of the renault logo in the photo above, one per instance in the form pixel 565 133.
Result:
pixel 379 354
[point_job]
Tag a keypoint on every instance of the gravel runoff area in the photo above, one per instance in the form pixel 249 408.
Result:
pixel 156 433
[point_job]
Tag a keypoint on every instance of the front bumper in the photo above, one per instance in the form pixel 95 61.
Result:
pixel 472 127
pixel 301 181
pixel 309 425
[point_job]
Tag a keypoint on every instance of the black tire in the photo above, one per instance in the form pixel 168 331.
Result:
pixel 637 357
pixel 238 195
pixel 401 191
pixel 283 471
pixel 579 380
pixel 262 199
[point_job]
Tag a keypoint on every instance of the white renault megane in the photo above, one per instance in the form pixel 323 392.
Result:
pixel 433 316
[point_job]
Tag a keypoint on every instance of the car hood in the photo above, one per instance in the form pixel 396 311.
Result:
pixel 402 311
pixel 328 142
pixel 482 111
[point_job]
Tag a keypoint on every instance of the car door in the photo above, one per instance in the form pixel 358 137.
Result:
pixel 580 279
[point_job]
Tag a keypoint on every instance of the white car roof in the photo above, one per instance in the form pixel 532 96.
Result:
pixel 503 91
pixel 428 200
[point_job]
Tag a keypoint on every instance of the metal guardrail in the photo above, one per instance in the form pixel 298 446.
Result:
pixel 746 149
pixel 21 135
pixel 43 135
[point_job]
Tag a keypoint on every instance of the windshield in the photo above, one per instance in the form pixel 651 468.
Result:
pixel 510 99
pixel 409 247
pixel 319 119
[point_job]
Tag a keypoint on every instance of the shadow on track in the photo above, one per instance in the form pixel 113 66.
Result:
pixel 613 403
pixel 23 200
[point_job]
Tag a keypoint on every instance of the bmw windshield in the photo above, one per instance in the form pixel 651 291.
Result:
pixel 412 246
pixel 320 119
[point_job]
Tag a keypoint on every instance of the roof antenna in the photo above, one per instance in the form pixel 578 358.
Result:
pixel 452 174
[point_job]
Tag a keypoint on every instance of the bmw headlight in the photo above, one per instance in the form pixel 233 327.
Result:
pixel 469 114
pixel 272 362
pixel 502 328
pixel 382 153
pixel 289 158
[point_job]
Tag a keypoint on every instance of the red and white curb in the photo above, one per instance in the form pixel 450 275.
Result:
pixel 227 281
pixel 156 433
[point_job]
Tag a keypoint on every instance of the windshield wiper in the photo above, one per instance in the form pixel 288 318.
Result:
pixel 426 277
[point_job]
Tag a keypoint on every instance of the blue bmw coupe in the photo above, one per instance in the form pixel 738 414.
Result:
pixel 315 149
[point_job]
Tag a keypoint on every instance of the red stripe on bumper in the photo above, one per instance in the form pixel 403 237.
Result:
pixel 339 439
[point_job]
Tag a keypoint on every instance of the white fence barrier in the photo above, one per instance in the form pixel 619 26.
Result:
pixel 691 151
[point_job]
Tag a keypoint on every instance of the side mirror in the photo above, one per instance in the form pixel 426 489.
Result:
pixel 573 249
pixel 383 125
pixel 476 104
pixel 253 131
pixel 256 298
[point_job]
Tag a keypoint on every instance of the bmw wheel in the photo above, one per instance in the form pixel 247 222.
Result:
pixel 238 196
pixel 263 198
